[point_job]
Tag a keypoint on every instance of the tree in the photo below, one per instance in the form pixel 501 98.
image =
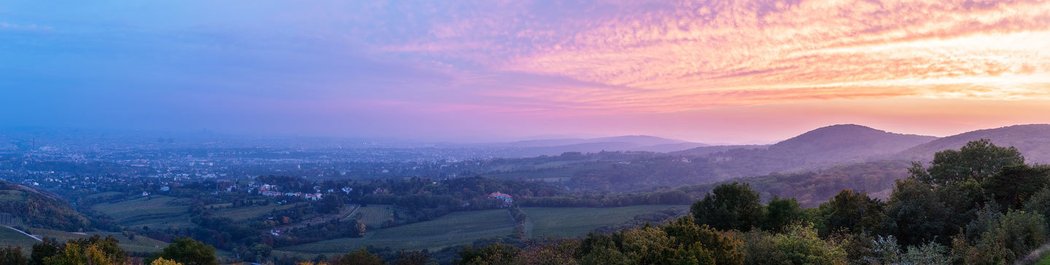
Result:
pixel 963 199
pixel 1013 185
pixel 915 215
pixel 798 244
pixel 986 219
pixel 930 253
pixel 650 245
pixel 977 160
pixel 359 257
pixel 49 247
pixel 93 250
pixel 723 247
pixel 1015 234
pixel 680 242
pixel 781 213
pixel 412 258
pixel 187 251
pixel 1039 203
pixel 491 254
pixel 162 261
pixel 851 212
pixel 13 256
pixel 732 206
pixel 560 252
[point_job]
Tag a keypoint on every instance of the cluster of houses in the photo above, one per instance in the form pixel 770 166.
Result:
pixel 271 191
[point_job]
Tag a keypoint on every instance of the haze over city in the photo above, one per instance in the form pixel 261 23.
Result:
pixel 708 71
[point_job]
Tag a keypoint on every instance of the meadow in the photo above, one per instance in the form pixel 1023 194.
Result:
pixel 463 228
pixel 137 244
pixel 374 215
pixel 450 230
pixel 154 212
pixel 252 212
pixel 573 222
pixel 10 237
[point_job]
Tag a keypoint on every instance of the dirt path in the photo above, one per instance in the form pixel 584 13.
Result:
pixel 27 234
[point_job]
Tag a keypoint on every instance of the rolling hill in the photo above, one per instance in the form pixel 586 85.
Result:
pixel 848 142
pixel 1032 140
pixel 34 208
pixel 820 148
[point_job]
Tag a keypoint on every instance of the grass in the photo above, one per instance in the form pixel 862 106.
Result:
pixel 11 195
pixel 574 222
pixel 454 229
pixel 374 215
pixel 140 244
pixel 103 195
pixel 155 212
pixel 252 212
pixel 462 228
pixel 10 237
pixel 1044 261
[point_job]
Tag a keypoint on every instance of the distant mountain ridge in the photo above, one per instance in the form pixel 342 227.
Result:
pixel 1033 140
pixel 822 147
pixel 845 142
pixel 591 145
pixel 641 140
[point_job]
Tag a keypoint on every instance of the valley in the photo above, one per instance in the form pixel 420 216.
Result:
pixel 439 206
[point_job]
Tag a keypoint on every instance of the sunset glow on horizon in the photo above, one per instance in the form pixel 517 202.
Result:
pixel 709 71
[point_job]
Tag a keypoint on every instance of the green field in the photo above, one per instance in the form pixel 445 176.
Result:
pixel 10 237
pixel 1044 261
pixel 11 195
pixel 457 228
pixel 107 194
pixel 463 228
pixel 251 212
pixel 375 215
pixel 156 212
pixel 574 222
pixel 140 244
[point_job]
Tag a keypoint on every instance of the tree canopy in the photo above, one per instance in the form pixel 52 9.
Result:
pixel 730 206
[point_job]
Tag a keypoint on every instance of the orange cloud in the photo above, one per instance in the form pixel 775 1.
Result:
pixel 707 53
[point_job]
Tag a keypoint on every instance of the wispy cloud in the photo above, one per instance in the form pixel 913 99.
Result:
pixel 527 66
pixel 682 55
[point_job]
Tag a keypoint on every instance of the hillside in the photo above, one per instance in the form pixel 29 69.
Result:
pixel 811 188
pixel 830 146
pixel 1032 140
pixel 846 143
pixel 33 208
pixel 592 145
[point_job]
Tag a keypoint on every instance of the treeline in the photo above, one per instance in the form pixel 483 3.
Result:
pixel 813 188
pixel 677 197
pixel 978 205
pixel 97 250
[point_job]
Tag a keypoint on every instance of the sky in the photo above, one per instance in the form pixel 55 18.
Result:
pixel 707 71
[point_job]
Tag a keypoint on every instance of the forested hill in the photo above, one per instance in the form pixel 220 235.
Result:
pixel 1032 140
pixel 30 207
pixel 846 142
